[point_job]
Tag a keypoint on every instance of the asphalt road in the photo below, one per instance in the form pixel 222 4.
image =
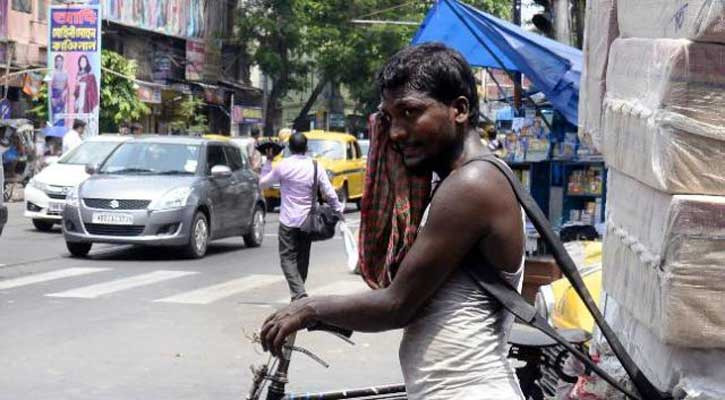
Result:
pixel 143 323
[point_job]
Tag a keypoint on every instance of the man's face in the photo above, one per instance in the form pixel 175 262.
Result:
pixel 81 129
pixel 421 127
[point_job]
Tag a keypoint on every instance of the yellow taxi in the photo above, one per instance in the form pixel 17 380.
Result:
pixel 340 155
pixel 560 303
pixel 214 136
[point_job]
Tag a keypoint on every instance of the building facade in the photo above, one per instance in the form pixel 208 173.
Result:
pixel 182 48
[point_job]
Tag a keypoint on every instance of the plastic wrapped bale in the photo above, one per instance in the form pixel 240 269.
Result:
pixel 689 373
pixel 600 31
pixel 663 114
pixel 700 20
pixel 664 261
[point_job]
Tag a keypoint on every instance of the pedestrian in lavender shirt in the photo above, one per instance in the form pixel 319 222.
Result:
pixel 295 175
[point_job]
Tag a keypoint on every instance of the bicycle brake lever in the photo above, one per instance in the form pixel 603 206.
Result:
pixel 308 354
pixel 343 334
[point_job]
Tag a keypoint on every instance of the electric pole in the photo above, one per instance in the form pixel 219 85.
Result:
pixel 517 76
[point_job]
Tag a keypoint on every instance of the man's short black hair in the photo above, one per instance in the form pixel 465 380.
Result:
pixel 298 143
pixel 433 69
pixel 78 123
pixel 255 132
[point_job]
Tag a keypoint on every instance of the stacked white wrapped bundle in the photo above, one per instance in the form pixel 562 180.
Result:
pixel 698 372
pixel 663 261
pixel 664 118
pixel 698 20
pixel 600 31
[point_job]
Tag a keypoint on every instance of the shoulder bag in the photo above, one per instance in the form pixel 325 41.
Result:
pixel 322 219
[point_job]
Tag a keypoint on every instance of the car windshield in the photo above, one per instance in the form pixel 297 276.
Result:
pixel 331 149
pixel 147 158
pixel 89 153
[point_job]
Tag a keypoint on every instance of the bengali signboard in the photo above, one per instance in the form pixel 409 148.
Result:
pixel 74 56
pixel 247 115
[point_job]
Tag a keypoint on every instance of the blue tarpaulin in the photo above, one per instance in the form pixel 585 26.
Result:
pixel 487 41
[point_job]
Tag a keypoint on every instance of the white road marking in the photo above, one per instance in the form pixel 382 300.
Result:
pixel 93 291
pixel 343 287
pixel 48 276
pixel 213 293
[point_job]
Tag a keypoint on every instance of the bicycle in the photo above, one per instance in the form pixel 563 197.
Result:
pixel 542 359
pixel 274 373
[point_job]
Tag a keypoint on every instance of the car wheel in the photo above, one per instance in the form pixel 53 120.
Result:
pixel 342 197
pixel 43 226
pixel 78 249
pixel 255 237
pixel 198 236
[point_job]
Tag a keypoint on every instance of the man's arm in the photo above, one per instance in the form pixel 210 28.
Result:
pixel 470 205
pixel 269 175
pixel 327 190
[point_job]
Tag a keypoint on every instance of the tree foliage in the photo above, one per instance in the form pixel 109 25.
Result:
pixel 119 99
pixel 187 116
pixel 288 38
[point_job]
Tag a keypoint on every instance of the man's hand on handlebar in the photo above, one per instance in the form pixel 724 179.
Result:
pixel 286 321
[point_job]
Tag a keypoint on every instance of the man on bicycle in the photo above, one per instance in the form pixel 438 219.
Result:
pixel 454 343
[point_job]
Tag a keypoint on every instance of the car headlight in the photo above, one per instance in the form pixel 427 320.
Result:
pixel 330 174
pixel 38 185
pixel 545 303
pixel 73 197
pixel 174 198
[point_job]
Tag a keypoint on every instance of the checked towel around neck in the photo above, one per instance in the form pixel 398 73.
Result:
pixel 392 207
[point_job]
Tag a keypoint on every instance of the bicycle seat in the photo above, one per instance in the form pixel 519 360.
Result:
pixel 526 336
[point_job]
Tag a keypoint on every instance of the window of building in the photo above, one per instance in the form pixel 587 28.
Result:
pixel 25 6
pixel 43 10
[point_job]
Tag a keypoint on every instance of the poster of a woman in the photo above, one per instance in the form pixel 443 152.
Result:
pixel 86 89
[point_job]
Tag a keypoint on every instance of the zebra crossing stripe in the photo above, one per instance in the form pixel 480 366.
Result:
pixel 213 293
pixel 47 276
pixel 344 287
pixel 93 291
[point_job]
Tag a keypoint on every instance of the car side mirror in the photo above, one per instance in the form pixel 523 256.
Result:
pixel 91 169
pixel 221 171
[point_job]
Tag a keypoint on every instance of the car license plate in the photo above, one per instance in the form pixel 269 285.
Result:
pixel 112 219
pixel 55 206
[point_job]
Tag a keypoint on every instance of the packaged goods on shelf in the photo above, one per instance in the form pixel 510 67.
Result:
pixel 691 373
pixel 663 114
pixel 700 20
pixel 664 261
pixel 600 31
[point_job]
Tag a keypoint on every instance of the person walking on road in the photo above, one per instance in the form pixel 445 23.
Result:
pixel 74 137
pixel 295 176
pixel 254 156
pixel 414 252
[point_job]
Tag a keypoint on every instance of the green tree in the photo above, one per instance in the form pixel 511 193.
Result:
pixel 351 54
pixel 271 33
pixel 187 116
pixel 39 105
pixel 289 38
pixel 119 99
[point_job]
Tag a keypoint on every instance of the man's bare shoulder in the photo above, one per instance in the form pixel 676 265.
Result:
pixel 477 185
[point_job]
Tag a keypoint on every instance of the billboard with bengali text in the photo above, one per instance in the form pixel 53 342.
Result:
pixel 74 59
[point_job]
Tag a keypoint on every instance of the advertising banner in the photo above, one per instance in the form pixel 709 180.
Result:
pixel 74 56
pixel 246 115
pixel 183 18
pixel 194 60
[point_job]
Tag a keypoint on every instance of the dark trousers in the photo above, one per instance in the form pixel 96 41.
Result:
pixel 294 255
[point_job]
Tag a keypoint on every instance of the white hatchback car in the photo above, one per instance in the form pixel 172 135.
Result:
pixel 46 192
